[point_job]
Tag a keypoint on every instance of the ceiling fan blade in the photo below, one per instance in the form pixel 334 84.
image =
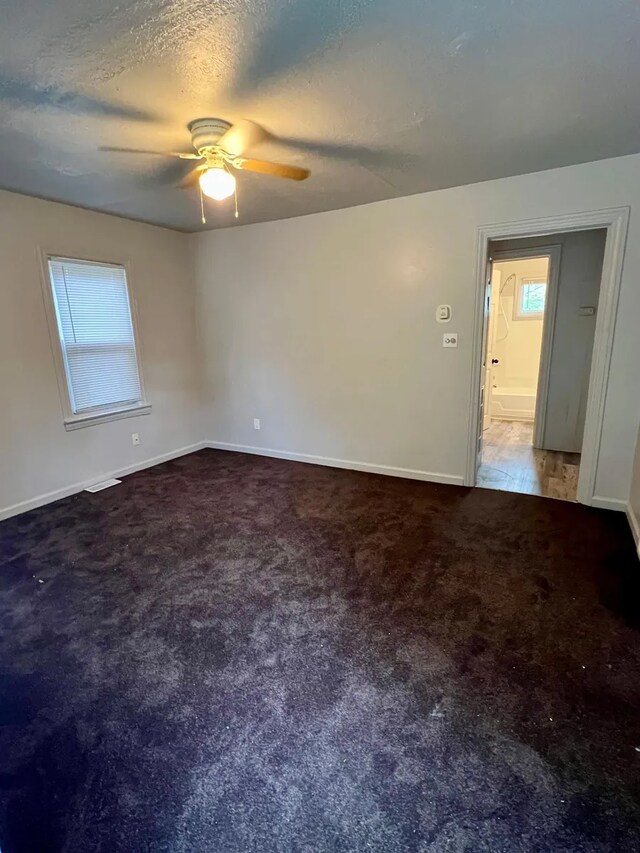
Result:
pixel 191 179
pixel 181 154
pixel 279 170
pixel 242 136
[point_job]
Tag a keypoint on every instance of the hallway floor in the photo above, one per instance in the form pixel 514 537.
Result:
pixel 510 463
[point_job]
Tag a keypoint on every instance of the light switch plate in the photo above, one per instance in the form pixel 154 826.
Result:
pixel 443 313
pixel 450 339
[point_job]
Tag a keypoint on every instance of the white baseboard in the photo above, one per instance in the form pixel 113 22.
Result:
pixel 50 497
pixel 608 503
pixel 349 464
pixel 634 524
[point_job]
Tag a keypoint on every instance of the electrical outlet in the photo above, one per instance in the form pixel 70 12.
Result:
pixel 256 423
pixel 450 339
pixel 135 439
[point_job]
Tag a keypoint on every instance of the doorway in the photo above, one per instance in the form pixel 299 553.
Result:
pixel 522 308
pixel 581 402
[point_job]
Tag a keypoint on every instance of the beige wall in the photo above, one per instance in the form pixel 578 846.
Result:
pixel 323 326
pixel 37 455
pixel 517 342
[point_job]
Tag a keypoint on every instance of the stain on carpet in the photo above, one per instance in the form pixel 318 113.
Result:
pixel 235 653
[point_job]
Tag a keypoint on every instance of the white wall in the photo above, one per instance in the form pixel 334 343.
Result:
pixel 37 455
pixel 579 277
pixel 516 342
pixel 323 326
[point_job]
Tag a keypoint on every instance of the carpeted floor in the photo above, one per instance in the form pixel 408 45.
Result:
pixel 233 653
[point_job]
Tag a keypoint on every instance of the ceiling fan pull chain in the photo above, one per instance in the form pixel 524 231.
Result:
pixel 235 187
pixel 204 218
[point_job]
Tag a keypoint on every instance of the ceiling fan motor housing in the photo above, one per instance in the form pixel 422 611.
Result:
pixel 205 132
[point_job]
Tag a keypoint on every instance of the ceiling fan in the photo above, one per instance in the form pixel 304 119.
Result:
pixel 221 145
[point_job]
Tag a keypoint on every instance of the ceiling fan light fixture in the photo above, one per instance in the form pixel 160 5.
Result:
pixel 221 147
pixel 217 184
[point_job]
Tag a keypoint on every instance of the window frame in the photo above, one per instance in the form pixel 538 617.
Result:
pixel 98 414
pixel 518 313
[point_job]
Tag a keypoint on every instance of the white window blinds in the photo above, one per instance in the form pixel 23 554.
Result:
pixel 96 333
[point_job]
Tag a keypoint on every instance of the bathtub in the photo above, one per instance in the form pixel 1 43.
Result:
pixel 513 404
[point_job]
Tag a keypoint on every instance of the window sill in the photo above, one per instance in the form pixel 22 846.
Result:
pixel 80 421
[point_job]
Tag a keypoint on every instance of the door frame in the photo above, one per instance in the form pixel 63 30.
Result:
pixel 554 253
pixel 615 221
pixel 495 283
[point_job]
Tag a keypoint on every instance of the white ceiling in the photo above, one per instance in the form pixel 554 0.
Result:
pixel 383 98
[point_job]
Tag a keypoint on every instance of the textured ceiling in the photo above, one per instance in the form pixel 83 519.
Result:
pixel 380 98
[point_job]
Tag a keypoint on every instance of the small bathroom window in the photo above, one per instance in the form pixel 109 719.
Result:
pixel 529 304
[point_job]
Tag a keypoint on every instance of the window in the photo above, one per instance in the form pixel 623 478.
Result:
pixel 97 341
pixel 531 294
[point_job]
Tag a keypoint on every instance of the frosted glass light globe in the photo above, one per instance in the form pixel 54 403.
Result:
pixel 217 184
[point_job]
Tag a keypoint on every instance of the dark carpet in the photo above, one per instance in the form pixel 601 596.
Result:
pixel 233 653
